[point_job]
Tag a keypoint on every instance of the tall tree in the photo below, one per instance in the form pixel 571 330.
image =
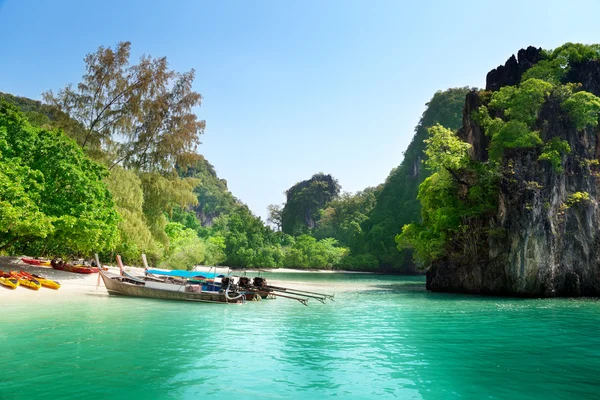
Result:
pixel 274 217
pixel 140 115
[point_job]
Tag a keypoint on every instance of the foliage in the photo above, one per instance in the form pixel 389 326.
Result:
pixel 275 212
pixel 145 104
pixel 214 198
pixel 186 249
pixel 578 197
pixel 512 134
pixel 135 238
pixel 161 195
pixel 448 206
pixel 307 252
pixel 522 103
pixel 304 200
pixel 396 200
pixel 54 194
pixel 248 242
pixel 553 151
pixel 558 62
pixel 445 150
pixel 342 218
pixel 583 109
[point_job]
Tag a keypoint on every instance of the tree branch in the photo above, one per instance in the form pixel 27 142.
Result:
pixel 457 178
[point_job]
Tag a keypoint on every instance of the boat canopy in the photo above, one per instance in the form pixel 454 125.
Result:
pixel 185 274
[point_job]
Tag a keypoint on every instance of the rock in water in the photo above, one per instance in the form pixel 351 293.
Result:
pixel 544 238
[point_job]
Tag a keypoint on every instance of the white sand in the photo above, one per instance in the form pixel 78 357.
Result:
pixel 72 284
pixel 75 285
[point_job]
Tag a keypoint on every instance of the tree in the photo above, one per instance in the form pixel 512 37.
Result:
pixel 396 201
pixel 135 237
pixel 139 115
pixel 52 197
pixel 274 217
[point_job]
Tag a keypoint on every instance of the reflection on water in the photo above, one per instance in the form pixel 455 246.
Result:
pixel 382 337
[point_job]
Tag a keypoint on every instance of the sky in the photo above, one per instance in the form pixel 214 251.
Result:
pixel 292 88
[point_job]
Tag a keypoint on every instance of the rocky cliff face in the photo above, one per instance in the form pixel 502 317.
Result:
pixel 543 240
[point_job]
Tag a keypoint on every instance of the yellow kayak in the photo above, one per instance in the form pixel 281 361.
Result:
pixel 45 282
pixel 25 281
pixel 10 283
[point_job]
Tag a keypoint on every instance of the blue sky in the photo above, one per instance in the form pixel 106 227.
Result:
pixel 292 88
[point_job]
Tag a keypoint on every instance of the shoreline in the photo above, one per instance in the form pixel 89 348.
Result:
pixel 74 285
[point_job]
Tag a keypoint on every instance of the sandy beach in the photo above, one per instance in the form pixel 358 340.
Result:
pixel 75 285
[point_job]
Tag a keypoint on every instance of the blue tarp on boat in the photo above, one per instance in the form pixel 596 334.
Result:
pixel 185 274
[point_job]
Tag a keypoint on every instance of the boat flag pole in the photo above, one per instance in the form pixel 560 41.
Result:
pixel 145 261
pixel 99 268
pixel 120 264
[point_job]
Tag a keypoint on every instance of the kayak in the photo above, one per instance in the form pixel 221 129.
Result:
pixel 80 269
pixel 45 282
pixel 34 261
pixel 30 283
pixel 8 281
pixel 31 261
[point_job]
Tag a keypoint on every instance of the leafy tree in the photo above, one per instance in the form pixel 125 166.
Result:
pixel 307 252
pixel 583 109
pixel 145 104
pixel 275 215
pixel 553 151
pixel 342 218
pixel 396 201
pixel 186 249
pixel 60 191
pixel 135 237
pixel 161 195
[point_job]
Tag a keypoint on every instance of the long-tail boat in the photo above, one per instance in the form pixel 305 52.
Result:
pixel 192 285
pixel 127 285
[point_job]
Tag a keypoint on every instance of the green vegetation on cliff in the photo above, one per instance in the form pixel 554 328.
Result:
pixel 461 195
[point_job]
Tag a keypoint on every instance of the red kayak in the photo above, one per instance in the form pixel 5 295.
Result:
pixel 80 269
pixel 60 265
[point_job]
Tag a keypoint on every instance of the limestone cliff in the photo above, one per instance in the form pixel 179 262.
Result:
pixel 542 240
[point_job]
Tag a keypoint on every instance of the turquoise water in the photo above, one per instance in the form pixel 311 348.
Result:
pixel 383 337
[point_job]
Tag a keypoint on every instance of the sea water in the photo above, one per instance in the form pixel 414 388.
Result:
pixel 383 337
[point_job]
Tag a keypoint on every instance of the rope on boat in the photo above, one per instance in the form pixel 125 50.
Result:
pixel 241 295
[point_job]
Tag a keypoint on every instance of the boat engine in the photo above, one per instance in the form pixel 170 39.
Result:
pixel 259 282
pixel 244 282
pixel 227 281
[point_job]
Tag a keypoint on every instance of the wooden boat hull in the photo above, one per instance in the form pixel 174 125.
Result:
pixel 123 286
